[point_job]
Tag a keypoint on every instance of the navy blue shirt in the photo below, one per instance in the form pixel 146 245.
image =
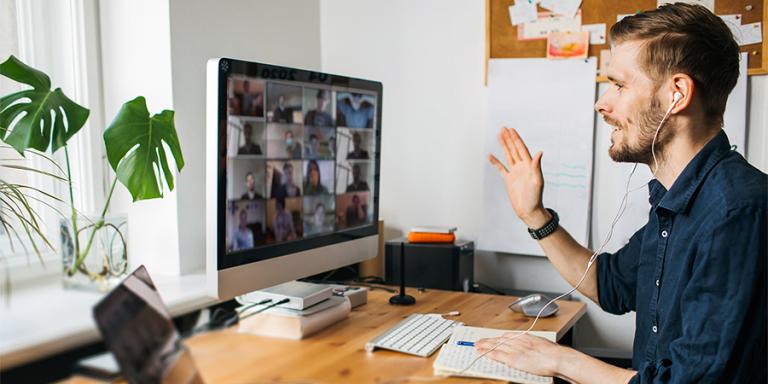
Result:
pixel 696 274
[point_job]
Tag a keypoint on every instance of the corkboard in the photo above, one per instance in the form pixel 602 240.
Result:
pixel 501 35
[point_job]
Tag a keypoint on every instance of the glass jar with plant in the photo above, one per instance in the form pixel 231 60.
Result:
pixel 40 121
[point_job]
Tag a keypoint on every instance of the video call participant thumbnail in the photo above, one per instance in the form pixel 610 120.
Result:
pixel 283 179
pixel 357 148
pixel 318 214
pixel 286 218
pixel 249 147
pixel 352 209
pixel 251 98
pixel 317 142
pixel 245 224
pixel 357 184
pixel 250 188
pixel 355 110
pixel 284 103
pixel 314 183
pixel 319 114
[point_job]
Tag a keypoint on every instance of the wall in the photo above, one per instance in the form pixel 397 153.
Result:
pixel 136 60
pixel 277 32
pixel 429 56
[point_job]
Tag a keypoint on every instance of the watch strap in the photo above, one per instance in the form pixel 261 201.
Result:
pixel 547 229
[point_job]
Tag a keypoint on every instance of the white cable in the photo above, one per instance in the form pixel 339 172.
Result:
pixel 622 208
pixel 653 143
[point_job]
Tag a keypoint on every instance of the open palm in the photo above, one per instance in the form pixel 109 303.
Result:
pixel 523 179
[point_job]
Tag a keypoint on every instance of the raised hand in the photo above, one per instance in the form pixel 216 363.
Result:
pixel 523 179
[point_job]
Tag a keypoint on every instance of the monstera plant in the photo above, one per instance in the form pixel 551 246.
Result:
pixel 39 120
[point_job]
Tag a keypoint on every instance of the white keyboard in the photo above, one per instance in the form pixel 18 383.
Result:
pixel 418 334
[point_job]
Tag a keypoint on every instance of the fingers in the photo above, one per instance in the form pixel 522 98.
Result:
pixel 522 149
pixel 536 162
pixel 496 163
pixel 506 148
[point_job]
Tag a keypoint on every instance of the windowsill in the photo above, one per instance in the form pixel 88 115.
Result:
pixel 43 319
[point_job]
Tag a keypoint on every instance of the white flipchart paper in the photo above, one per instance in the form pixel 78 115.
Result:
pixel 550 103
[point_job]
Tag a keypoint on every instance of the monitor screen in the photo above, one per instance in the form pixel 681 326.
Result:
pixel 298 160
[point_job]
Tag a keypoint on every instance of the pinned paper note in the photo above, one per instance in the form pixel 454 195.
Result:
pixel 751 34
pixel 562 7
pixel 567 45
pixel 596 33
pixel 546 23
pixel 734 24
pixel 605 60
pixel 523 11
pixel 708 4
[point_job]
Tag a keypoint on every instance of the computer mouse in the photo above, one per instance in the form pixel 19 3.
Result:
pixel 531 305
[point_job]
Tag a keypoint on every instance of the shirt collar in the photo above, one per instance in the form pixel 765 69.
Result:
pixel 693 175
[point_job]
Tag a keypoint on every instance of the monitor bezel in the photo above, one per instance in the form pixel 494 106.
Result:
pixel 228 66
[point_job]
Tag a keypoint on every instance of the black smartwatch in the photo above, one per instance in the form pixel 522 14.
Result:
pixel 547 229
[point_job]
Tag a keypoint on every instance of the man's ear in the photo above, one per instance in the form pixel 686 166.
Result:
pixel 683 84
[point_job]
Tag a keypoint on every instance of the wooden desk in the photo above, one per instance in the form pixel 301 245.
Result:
pixel 337 354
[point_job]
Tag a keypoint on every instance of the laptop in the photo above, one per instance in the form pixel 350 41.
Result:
pixel 137 329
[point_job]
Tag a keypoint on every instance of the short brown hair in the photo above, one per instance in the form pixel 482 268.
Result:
pixel 685 38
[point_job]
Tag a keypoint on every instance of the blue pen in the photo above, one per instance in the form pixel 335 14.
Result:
pixel 466 343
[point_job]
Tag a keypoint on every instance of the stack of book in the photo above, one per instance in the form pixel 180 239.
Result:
pixel 432 234
pixel 311 308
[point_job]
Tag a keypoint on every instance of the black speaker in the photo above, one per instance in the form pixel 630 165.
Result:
pixel 431 265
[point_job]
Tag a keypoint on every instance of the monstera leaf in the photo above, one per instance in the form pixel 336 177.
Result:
pixel 35 118
pixel 135 149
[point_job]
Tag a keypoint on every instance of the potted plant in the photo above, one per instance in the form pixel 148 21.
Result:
pixel 39 120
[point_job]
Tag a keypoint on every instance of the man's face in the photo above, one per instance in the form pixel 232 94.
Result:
pixel 281 100
pixel 243 219
pixel 248 132
pixel 322 102
pixel 314 143
pixel 250 183
pixel 355 172
pixel 631 106
pixel 356 140
pixel 246 87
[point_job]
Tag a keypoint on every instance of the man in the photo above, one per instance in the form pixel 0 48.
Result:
pixel 319 117
pixel 312 151
pixel 358 153
pixel 292 146
pixel 282 113
pixel 250 188
pixel 283 222
pixel 355 214
pixel 355 110
pixel 357 183
pixel 288 188
pixel 695 274
pixel 249 147
pixel 243 236
pixel 252 104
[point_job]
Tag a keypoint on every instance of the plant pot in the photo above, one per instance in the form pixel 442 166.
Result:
pixel 98 260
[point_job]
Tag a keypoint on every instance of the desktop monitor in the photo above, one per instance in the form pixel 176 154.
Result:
pixel 292 173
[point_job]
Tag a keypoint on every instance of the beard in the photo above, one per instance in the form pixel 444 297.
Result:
pixel 648 121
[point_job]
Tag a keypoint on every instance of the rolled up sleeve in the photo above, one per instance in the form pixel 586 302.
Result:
pixel 617 276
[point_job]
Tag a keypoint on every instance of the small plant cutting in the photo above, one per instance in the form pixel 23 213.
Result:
pixel 40 121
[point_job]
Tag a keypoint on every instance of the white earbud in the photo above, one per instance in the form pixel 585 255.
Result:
pixel 676 97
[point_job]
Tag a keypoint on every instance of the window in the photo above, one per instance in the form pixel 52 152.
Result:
pixel 61 39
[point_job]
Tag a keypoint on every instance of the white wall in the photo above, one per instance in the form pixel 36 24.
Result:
pixel 429 56
pixel 276 32
pixel 136 60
